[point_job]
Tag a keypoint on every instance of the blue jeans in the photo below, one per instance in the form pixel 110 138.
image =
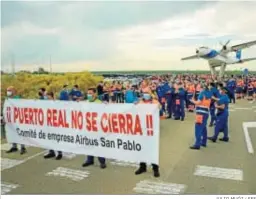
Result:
pixel 90 159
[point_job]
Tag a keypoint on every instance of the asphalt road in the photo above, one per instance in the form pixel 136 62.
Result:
pixel 221 168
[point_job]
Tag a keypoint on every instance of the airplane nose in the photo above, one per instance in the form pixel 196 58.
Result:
pixel 197 51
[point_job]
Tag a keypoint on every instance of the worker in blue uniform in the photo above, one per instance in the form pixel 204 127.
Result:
pixel 170 100
pixel 215 93
pixel 148 98
pixel 222 116
pixel 202 113
pixel 164 87
pixel 130 95
pixel 93 98
pixel 64 94
pixel 161 95
pixel 231 86
pixel 179 97
pixel 76 94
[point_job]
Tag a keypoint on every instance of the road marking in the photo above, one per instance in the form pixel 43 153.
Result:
pixel 248 141
pixel 72 174
pixel 64 154
pixel 69 155
pixel 231 110
pixel 243 108
pixel 124 163
pixel 7 146
pixel 9 163
pixel 7 187
pixel 216 172
pixel 33 156
pixel 153 187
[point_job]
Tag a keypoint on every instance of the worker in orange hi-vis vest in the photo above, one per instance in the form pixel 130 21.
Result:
pixel 250 91
pixel 179 99
pixel 239 89
pixel 202 113
pixel 148 98
pixel 190 93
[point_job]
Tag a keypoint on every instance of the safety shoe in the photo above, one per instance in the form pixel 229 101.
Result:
pixel 86 164
pixel 59 157
pixel 23 151
pixel 140 171
pixel 49 155
pixel 182 119
pixel 195 147
pixel 224 139
pixel 156 173
pixel 204 145
pixel 212 139
pixel 210 125
pixel 103 166
pixel 11 150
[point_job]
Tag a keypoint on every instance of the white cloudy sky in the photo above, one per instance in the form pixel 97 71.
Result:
pixel 101 36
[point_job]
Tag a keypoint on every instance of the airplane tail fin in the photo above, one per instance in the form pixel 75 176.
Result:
pixel 239 54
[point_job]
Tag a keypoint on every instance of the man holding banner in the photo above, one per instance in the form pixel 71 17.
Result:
pixel 92 98
pixel 11 94
pixel 51 153
pixel 148 98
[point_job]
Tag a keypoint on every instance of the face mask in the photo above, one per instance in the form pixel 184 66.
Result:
pixel 9 93
pixel 45 97
pixel 89 97
pixel 146 96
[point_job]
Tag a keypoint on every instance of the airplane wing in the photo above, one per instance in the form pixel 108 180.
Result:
pixel 190 57
pixel 244 45
pixel 248 59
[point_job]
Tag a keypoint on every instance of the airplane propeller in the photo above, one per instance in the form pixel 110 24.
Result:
pixel 224 46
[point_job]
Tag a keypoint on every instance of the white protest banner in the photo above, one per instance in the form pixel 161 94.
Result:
pixel 118 131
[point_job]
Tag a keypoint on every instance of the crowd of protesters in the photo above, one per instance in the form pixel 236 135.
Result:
pixel 176 96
